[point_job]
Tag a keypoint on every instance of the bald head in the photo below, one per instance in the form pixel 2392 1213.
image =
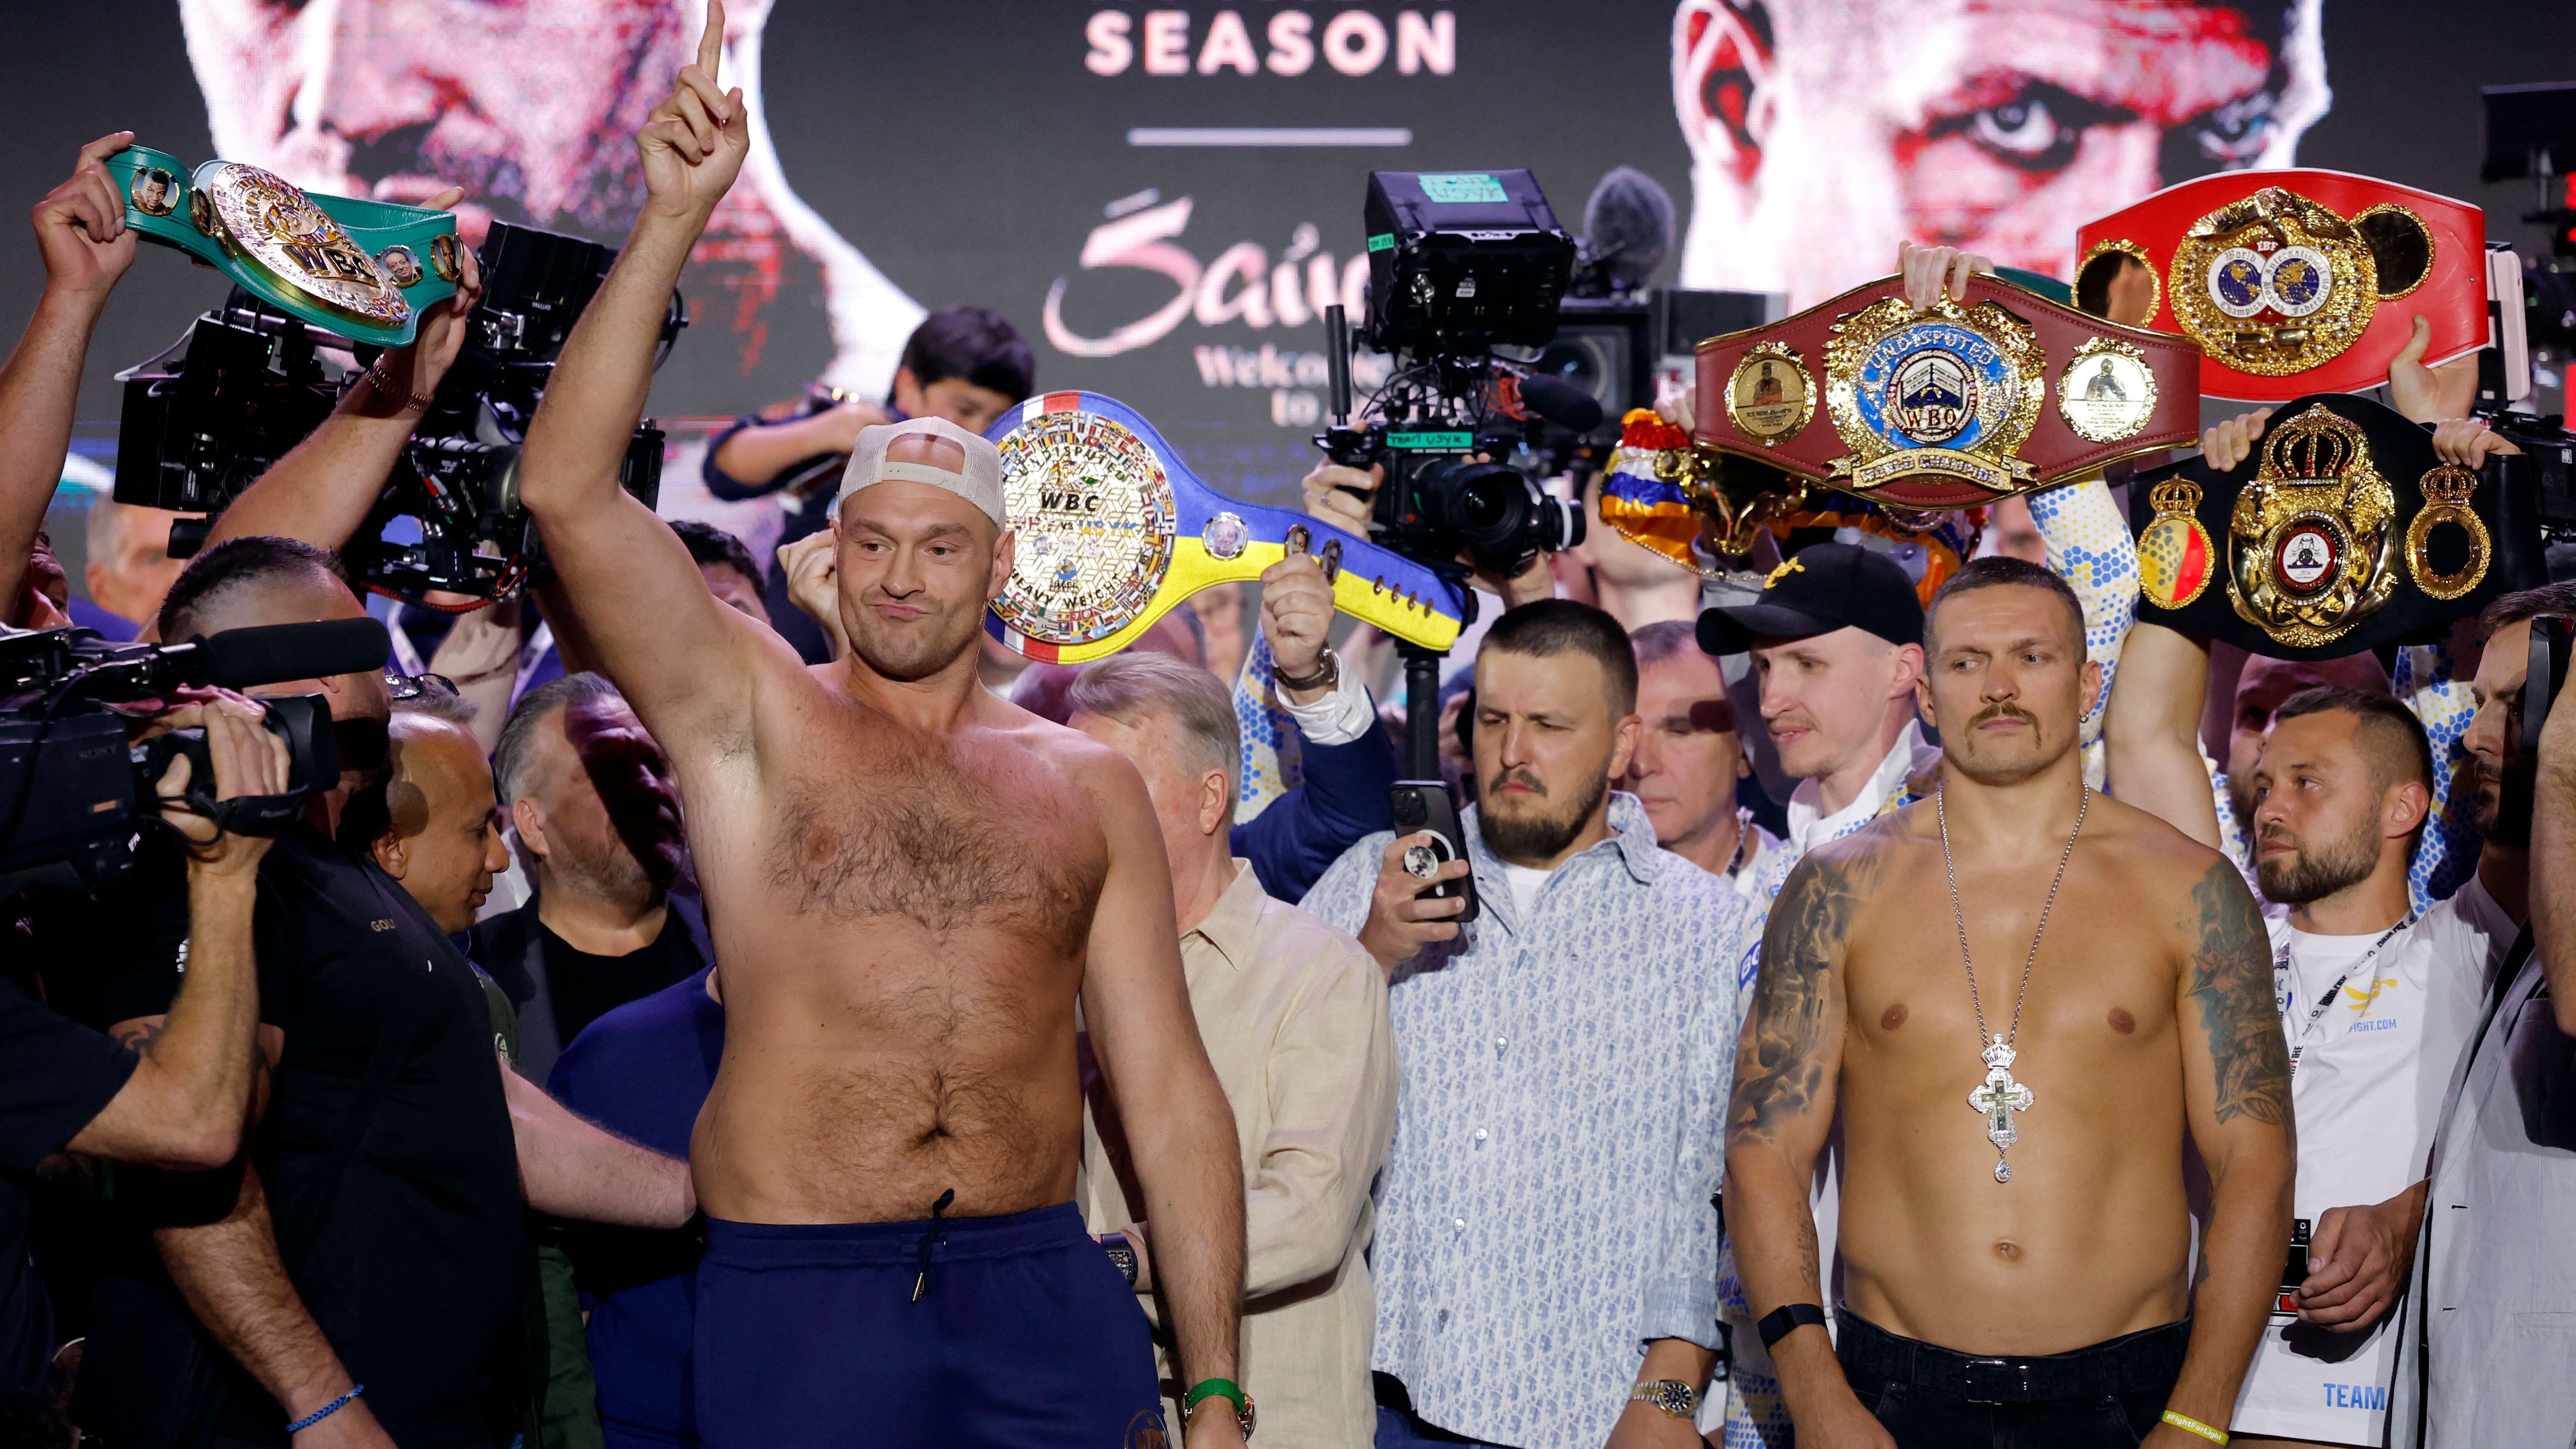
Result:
pixel 438 830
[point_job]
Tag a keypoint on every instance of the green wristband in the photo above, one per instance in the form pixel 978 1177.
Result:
pixel 1206 1389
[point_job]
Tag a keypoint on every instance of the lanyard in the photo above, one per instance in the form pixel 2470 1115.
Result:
pixel 2281 964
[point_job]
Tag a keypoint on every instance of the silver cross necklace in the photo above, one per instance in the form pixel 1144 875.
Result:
pixel 1999 1096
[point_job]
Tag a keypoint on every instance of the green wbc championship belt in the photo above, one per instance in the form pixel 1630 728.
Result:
pixel 2343 532
pixel 362 269
pixel 1113 532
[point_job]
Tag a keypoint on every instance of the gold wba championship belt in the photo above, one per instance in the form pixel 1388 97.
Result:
pixel 1956 405
pixel 2285 278
pixel 2344 532
pixel 1113 532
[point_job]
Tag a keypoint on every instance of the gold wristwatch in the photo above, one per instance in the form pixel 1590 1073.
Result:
pixel 1670 1395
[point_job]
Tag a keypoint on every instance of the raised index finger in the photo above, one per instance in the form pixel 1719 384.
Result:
pixel 711 44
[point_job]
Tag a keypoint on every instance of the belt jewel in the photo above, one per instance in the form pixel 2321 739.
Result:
pixel 1113 531
pixel 1947 393
pixel 2275 284
pixel 363 269
pixel 2311 540
pixel 2280 276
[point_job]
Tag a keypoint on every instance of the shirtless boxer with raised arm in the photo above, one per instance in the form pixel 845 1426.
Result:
pixel 910 882
pixel 2028 1287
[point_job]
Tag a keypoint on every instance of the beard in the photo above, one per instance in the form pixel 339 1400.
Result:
pixel 2314 872
pixel 602 872
pixel 1533 831
pixel 928 645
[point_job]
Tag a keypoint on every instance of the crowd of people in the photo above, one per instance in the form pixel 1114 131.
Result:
pixel 718 1005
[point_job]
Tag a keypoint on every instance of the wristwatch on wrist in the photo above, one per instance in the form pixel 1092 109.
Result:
pixel 1328 672
pixel 1670 1395
pixel 1122 1253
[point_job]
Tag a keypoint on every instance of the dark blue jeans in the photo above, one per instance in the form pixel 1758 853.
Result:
pixel 2108 1396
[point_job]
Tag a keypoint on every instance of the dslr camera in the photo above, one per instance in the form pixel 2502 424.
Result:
pixel 1460 264
pixel 74 793
pixel 247 383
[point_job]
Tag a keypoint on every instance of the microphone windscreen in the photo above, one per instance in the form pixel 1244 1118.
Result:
pixel 1628 224
pixel 273 653
pixel 1561 403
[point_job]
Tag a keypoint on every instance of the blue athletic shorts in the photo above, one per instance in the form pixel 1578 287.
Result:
pixel 1027 1337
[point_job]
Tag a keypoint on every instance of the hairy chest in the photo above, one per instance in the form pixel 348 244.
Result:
pixel 949 839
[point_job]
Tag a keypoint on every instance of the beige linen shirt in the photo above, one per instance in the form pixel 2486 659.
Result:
pixel 1294 1015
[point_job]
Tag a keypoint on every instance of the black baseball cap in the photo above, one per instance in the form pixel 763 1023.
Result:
pixel 1827 586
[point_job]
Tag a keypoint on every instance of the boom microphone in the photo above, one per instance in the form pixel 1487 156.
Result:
pixel 1561 403
pixel 1627 229
pixel 274 653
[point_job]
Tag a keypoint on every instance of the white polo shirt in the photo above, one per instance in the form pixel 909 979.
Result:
pixel 2367 1077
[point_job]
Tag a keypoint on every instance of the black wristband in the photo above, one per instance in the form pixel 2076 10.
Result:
pixel 1787 1319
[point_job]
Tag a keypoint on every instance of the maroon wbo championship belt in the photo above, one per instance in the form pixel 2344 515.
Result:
pixel 1960 404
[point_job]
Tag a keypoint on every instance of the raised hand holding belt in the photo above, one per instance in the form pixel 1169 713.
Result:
pixel 363 269
pixel 2343 531
pixel 2284 277
pixel 1958 405
pixel 1113 531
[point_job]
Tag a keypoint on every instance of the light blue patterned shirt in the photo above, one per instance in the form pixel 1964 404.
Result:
pixel 1545 1209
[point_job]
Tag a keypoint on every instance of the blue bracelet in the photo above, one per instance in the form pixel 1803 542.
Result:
pixel 327 1410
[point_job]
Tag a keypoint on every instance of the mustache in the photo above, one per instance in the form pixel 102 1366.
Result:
pixel 2278 835
pixel 1516 775
pixel 2004 709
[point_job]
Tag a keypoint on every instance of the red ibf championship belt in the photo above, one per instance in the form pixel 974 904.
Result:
pixel 1953 406
pixel 2298 282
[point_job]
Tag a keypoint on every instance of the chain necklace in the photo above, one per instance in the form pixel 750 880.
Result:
pixel 1999 1096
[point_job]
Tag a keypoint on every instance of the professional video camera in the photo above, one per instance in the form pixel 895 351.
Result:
pixel 74 793
pixel 1460 264
pixel 248 382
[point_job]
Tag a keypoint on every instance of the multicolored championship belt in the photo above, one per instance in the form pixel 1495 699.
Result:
pixel 1733 500
pixel 2342 533
pixel 1113 532
pixel 1956 405
pixel 2285 278
pixel 362 269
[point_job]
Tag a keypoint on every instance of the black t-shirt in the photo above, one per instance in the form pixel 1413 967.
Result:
pixel 413 1254
pixel 55 1075
pixel 584 987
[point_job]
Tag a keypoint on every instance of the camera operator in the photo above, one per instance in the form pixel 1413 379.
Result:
pixel 2482 1356
pixel 180 1103
pixel 80 230
pixel 376 1301
pixel 966 364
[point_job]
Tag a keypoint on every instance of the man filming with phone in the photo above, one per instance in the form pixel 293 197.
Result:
pixel 1565 1057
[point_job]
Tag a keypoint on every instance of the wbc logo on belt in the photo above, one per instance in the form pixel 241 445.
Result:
pixel 1952 391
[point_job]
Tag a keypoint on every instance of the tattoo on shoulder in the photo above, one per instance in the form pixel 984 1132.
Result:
pixel 2231 983
pixel 1778 1070
pixel 140 1036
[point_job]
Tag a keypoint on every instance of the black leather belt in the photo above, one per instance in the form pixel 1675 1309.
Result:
pixel 2135 1363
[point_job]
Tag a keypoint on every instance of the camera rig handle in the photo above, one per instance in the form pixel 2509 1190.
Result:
pixel 1351 447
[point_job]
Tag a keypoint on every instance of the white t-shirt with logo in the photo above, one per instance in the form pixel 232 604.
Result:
pixel 2366 1084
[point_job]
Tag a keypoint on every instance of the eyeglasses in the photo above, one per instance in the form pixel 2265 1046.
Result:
pixel 414 686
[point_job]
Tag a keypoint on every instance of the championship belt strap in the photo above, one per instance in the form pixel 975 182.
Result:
pixel 2342 533
pixel 363 269
pixel 1957 405
pixel 2286 279
pixel 1113 531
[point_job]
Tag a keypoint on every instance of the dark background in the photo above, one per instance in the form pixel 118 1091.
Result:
pixel 968 153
